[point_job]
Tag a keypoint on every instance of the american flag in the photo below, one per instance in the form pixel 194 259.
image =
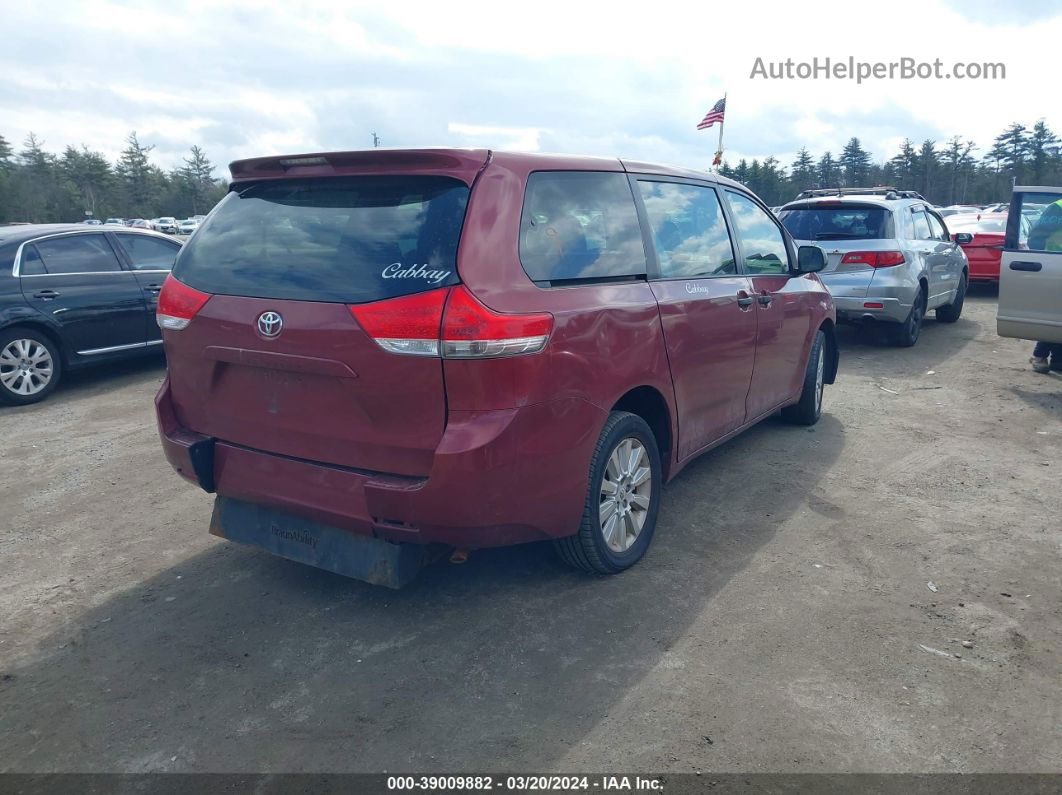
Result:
pixel 714 115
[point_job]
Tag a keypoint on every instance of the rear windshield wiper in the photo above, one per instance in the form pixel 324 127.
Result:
pixel 840 236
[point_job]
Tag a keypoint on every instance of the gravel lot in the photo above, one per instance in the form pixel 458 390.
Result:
pixel 783 610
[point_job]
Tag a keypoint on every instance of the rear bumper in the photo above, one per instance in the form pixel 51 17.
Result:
pixel 856 309
pixel 498 478
pixel 984 270
pixel 890 293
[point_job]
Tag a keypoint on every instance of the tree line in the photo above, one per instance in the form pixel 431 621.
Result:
pixel 41 187
pixel 945 173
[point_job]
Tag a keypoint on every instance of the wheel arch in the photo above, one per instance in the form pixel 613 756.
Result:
pixel 649 403
pixel 833 350
pixel 43 328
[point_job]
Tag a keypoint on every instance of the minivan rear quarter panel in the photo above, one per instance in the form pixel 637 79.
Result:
pixel 613 323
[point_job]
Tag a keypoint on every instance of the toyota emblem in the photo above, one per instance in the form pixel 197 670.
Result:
pixel 270 324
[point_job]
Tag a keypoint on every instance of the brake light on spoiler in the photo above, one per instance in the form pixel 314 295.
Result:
pixel 875 259
pixel 451 323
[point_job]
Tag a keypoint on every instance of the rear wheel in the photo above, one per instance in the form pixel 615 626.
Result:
pixel 29 366
pixel 619 516
pixel 809 408
pixel 906 334
pixel 953 311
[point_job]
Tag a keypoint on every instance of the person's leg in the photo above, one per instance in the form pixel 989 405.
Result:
pixel 1056 358
pixel 1039 360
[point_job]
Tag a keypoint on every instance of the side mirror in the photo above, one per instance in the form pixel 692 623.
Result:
pixel 962 238
pixel 810 259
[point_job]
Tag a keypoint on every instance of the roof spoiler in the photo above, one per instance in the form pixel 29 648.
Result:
pixel 462 164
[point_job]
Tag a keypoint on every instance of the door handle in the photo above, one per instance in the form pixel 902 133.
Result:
pixel 154 288
pixel 765 299
pixel 46 295
pixel 1021 265
pixel 744 300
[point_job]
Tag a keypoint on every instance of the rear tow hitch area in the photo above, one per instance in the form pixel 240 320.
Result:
pixel 297 538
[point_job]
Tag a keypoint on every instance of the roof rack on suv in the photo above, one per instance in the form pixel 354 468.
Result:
pixel 882 190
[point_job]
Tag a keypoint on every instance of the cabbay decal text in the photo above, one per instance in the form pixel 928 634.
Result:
pixel 396 270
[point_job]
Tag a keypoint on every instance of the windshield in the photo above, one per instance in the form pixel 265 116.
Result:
pixel 837 222
pixel 349 240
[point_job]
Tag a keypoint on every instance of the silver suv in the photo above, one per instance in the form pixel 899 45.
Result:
pixel 890 258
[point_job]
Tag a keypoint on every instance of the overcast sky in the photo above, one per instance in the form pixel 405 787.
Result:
pixel 251 78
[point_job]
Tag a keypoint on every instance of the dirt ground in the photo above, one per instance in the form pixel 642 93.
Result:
pixel 784 610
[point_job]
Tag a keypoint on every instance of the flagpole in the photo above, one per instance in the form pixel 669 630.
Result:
pixel 719 150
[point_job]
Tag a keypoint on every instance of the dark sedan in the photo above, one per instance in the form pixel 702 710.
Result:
pixel 72 296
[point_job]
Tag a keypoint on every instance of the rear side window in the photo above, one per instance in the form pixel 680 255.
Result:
pixel 921 225
pixel 837 222
pixel 78 254
pixel 580 225
pixel 148 253
pixel 688 230
pixel 936 227
pixel 31 263
pixel 344 240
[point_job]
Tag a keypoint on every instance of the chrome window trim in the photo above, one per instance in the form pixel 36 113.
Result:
pixel 16 266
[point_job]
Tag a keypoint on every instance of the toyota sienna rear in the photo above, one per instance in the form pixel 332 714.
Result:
pixel 375 356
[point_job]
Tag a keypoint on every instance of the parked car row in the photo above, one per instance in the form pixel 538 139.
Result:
pixel 478 348
pixel 166 224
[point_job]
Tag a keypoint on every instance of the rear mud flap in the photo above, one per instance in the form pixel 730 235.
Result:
pixel 340 551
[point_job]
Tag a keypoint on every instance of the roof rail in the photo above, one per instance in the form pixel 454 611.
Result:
pixel 887 191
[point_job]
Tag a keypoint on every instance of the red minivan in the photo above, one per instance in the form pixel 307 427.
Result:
pixel 374 354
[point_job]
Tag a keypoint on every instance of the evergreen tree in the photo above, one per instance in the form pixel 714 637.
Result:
pixel 902 166
pixel 1042 149
pixel 855 161
pixel 5 155
pixel 829 175
pixel 197 176
pixel 89 176
pixel 803 175
pixel 138 180
pixel 926 166
pixel 1010 152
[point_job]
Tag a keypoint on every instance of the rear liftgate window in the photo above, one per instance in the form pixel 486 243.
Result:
pixel 841 221
pixel 349 240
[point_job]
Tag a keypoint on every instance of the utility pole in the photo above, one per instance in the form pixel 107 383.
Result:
pixel 375 140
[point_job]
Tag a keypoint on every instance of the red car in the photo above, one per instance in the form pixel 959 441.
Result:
pixel 372 353
pixel 982 241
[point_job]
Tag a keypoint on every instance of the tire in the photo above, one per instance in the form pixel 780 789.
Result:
pixel 590 548
pixel 953 311
pixel 906 334
pixel 808 409
pixel 30 366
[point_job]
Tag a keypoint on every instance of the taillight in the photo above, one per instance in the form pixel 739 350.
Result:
pixel 451 323
pixel 178 304
pixel 875 259
pixel 409 324
pixel 472 331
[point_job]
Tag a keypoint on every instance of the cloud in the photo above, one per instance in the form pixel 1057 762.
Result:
pixel 266 77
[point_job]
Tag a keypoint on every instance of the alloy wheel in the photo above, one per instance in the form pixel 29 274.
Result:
pixel 26 367
pixel 625 495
